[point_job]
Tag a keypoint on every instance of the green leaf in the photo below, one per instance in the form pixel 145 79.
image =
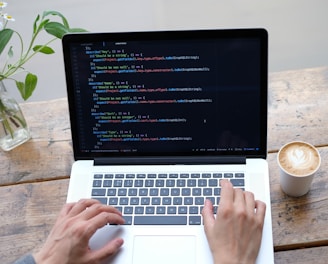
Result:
pixel 26 89
pixel 56 13
pixel 43 23
pixel 76 30
pixel 10 52
pixel 43 49
pixel 5 36
pixel 35 24
pixel 56 29
pixel 21 87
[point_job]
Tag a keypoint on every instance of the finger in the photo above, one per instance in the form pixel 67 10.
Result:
pixel 208 215
pixel 96 209
pixel 227 193
pixel 81 205
pixel 239 200
pixel 109 249
pixel 66 209
pixel 260 210
pixel 99 221
pixel 250 202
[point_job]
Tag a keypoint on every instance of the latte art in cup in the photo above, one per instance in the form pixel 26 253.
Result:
pixel 299 159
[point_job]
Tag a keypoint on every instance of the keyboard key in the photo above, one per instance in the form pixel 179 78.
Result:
pixel 182 209
pixel 171 210
pixel 191 183
pixel 150 210
pixel 113 201
pixel 175 192
pixel 103 200
pixel 138 183
pixel 153 192
pixel 213 183
pixel 184 175
pixel 217 191
pixel 195 220
pixel 238 182
pixel 166 200
pixel 128 219
pixel 159 183
pixel 128 210
pixel 118 183
pixel 196 191
pixel 111 192
pixel 160 220
pixel 155 201
pixel 97 183
pixel 108 183
pixel 160 210
pixel 139 210
pixel 165 192
pixel 134 201
pixel 98 192
pixel 199 200
pixel 124 201
pixel 133 192
pixel 193 210
pixel 143 192
pixel 145 201
pixel 228 175
pixel 170 183
pixel 239 175
pixel 97 176
pixel 122 192
pixel 186 191
pixel 188 200
pixel 207 191
pixel 177 201
pixel 181 183
pixel 149 183
pixel 202 183
pixel 128 183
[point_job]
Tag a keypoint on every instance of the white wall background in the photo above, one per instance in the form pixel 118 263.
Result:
pixel 298 29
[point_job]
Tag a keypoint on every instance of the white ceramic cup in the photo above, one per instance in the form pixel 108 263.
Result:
pixel 298 162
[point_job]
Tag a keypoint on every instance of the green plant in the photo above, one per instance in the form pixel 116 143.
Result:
pixel 42 23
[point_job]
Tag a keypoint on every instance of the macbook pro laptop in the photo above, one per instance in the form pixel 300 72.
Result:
pixel 157 119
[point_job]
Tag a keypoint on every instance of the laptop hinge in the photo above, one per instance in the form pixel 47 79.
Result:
pixel 169 160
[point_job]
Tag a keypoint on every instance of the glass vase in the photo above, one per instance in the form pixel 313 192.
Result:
pixel 13 128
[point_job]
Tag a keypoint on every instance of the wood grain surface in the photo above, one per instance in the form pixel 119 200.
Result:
pixel 34 177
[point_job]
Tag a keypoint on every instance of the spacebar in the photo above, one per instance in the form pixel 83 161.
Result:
pixel 160 220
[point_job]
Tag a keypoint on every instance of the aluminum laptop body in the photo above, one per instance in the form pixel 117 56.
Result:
pixel 153 109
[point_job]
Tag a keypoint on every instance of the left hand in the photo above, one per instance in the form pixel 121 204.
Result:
pixel 68 241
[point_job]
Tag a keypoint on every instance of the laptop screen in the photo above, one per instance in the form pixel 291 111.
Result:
pixel 167 93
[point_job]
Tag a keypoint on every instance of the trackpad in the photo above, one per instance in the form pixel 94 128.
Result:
pixel 164 249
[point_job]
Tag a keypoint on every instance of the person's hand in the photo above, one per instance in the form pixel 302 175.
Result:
pixel 234 236
pixel 68 241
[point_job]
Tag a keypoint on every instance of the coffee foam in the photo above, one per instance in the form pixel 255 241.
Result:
pixel 299 158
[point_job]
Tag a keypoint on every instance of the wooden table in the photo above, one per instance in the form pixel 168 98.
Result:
pixel 34 177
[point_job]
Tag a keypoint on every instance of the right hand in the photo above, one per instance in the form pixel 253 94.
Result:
pixel 235 234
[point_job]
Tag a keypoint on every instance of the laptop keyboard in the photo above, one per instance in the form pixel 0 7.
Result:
pixel 164 198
